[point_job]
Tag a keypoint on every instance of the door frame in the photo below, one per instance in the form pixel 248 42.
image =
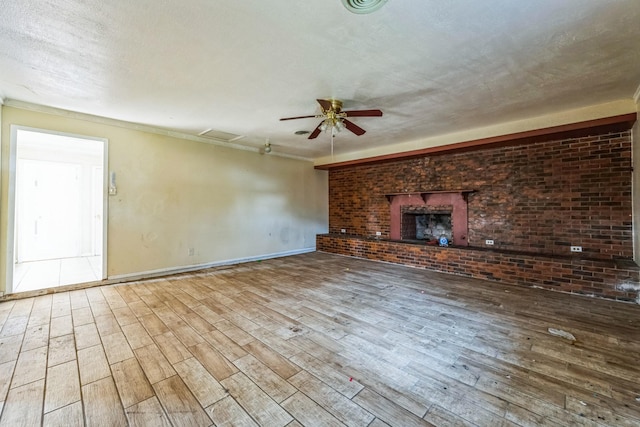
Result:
pixel 11 211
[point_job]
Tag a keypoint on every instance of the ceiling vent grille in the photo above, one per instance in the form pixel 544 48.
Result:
pixel 219 135
pixel 363 6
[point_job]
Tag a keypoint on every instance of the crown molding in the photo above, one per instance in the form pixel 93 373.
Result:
pixel 23 105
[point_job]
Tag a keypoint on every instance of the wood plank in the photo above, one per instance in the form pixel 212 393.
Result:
pixel 92 364
pixel 439 416
pixel 107 325
pixel 86 336
pixel 272 384
pixel 140 308
pixel 343 382
pixel 180 405
pixel 131 382
pixel 309 413
pixel 81 316
pixel 23 406
pixel 41 311
pixel 60 304
pixel 136 335
pixel 280 365
pixel 6 374
pixel 154 364
pixel 10 348
pixel 116 347
pixel 31 366
pixel 386 410
pixel 202 384
pixel 147 413
pixel 78 299
pixel 63 386
pixel 153 325
pixel 124 316
pixel 102 405
pixel 172 347
pixel 35 336
pixel 213 361
pixel 14 326
pixel 62 349
pixel 227 413
pixel 225 345
pixel 257 404
pixel 333 402
pixel 67 416
pixel 61 325
pixel 237 335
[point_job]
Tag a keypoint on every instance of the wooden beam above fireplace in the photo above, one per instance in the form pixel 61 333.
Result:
pixel 618 123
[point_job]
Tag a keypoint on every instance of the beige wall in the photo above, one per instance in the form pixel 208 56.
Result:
pixel 175 194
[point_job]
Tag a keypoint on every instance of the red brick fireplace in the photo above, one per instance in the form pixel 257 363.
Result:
pixel 534 199
pixel 403 206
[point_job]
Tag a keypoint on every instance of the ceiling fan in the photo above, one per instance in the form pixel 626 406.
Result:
pixel 334 119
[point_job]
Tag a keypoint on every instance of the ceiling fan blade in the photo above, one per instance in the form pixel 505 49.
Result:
pixel 316 131
pixel 353 127
pixel 363 113
pixel 299 117
pixel 325 104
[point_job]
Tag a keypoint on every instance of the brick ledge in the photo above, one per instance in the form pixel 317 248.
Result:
pixel 611 279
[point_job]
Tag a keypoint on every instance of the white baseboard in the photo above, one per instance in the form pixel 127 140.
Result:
pixel 185 269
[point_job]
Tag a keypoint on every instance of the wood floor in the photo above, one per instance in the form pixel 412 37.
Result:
pixel 318 340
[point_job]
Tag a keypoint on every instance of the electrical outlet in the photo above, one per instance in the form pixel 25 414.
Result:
pixel 192 251
pixel 576 248
pixel 378 233
pixel 488 242
pixel 343 230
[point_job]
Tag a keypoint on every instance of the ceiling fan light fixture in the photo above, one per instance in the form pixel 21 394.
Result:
pixel 363 6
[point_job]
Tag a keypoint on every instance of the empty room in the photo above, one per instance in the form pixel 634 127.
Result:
pixel 332 213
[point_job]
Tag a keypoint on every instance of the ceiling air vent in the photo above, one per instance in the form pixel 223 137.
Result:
pixel 219 135
pixel 363 6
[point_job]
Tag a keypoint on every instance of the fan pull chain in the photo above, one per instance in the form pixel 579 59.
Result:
pixel 332 145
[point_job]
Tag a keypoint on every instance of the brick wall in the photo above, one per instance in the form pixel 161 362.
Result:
pixel 534 201
pixel 539 198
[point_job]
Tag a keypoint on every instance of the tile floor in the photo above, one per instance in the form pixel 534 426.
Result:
pixel 30 276
pixel 318 340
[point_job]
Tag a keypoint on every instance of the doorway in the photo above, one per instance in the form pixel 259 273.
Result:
pixel 58 198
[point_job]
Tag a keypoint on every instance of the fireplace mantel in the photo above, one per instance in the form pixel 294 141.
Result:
pixel 424 194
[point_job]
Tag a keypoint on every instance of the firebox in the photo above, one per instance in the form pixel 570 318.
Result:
pixel 420 223
pixel 429 215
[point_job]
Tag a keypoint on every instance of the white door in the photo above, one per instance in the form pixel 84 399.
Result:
pixel 48 214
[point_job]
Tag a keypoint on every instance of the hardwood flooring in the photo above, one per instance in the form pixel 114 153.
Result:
pixel 318 340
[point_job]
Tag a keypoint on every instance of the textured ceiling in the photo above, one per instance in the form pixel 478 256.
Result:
pixel 434 67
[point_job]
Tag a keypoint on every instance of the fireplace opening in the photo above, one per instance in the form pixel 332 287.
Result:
pixel 429 215
pixel 427 226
